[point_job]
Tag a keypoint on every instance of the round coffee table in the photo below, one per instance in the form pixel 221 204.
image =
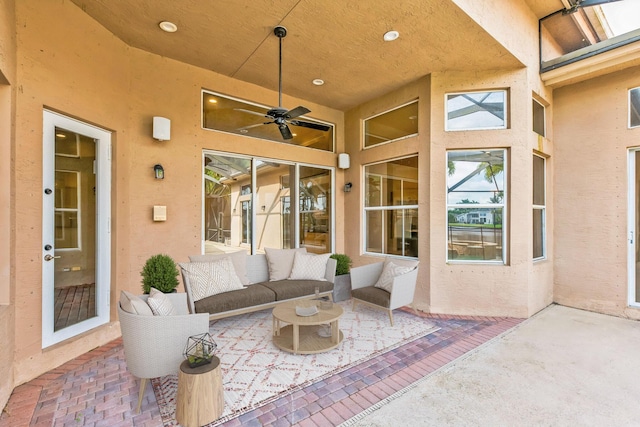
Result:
pixel 301 335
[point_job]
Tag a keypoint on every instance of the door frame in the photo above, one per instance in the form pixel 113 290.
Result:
pixel 633 212
pixel 102 138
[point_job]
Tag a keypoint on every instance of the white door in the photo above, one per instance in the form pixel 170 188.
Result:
pixel 633 223
pixel 76 215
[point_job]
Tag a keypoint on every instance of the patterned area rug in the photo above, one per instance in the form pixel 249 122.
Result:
pixel 255 372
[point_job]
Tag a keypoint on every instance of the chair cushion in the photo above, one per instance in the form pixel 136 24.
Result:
pixel 280 262
pixel 372 295
pixel 287 289
pixel 160 305
pixel 250 296
pixel 134 304
pixel 238 258
pixel 211 278
pixel 390 270
pixel 309 266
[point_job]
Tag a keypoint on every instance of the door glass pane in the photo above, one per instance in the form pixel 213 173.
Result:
pixel 227 203
pixel 270 222
pixel 538 228
pixel 637 226
pixel 74 219
pixel 315 209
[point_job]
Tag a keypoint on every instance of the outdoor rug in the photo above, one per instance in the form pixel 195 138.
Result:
pixel 255 372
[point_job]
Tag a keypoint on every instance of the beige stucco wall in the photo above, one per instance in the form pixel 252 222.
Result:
pixel 591 192
pixel 85 72
pixel 7 284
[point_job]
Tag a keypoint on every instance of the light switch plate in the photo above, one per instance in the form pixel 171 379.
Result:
pixel 159 213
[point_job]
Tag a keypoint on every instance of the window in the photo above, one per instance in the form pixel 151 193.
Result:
pixel 231 115
pixel 539 121
pixel 396 124
pixel 634 107
pixel 391 207
pixel 249 204
pixel 476 205
pixel 539 207
pixel 476 110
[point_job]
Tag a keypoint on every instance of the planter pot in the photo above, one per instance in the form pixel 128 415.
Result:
pixel 342 288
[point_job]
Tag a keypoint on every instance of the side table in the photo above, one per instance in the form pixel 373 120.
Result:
pixel 200 398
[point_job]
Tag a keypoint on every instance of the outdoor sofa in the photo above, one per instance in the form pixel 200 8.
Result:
pixel 267 279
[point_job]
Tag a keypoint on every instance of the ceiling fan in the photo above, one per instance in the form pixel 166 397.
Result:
pixel 279 115
pixel 576 4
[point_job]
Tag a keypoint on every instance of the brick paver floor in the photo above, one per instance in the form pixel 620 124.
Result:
pixel 97 390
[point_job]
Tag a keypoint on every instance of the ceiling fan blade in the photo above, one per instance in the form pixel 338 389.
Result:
pixel 298 111
pixel 587 3
pixel 284 130
pixel 310 125
pixel 254 126
pixel 251 112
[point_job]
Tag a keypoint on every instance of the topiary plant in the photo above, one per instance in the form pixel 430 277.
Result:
pixel 160 272
pixel 343 263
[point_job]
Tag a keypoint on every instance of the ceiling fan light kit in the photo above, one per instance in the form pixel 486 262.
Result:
pixel 280 115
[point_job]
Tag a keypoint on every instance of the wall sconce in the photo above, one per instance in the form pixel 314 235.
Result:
pixel 344 161
pixel 159 171
pixel 264 208
pixel 347 187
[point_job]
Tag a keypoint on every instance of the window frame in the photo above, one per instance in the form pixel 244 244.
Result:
pixel 542 208
pixel 503 206
pixel 488 91
pixel 544 118
pixel 384 208
pixel 629 106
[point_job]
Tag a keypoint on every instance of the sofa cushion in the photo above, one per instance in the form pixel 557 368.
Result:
pixel 309 266
pixel 280 262
pixel 374 295
pixel 211 278
pixel 160 304
pixel 134 304
pixel 287 289
pixel 238 258
pixel 250 296
pixel 390 270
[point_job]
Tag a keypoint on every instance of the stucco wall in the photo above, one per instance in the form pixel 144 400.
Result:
pixel 591 140
pixel 7 285
pixel 83 71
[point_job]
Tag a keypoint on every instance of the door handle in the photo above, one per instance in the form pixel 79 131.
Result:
pixel 48 257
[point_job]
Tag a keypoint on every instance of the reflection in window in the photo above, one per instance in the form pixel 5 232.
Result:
pixel 539 118
pixel 475 205
pixel 240 217
pixel 67 210
pixel 539 208
pixel 476 110
pixel 392 125
pixel 634 107
pixel 391 207
pixel 582 31
pixel 243 118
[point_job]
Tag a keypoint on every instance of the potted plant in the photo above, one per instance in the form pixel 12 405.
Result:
pixel 160 272
pixel 342 282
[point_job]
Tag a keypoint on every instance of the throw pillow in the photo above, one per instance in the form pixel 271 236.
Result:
pixel 389 271
pixel 211 278
pixel 160 304
pixel 280 262
pixel 134 304
pixel 309 266
pixel 238 258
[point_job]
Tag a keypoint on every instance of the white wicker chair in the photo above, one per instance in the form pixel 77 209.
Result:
pixel 363 291
pixel 154 345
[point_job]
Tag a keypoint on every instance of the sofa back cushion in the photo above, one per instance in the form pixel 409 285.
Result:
pixel 309 266
pixel 238 258
pixel 210 278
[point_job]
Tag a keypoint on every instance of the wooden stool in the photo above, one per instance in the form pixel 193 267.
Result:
pixel 200 396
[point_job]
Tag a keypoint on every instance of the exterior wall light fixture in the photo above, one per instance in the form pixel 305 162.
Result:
pixel 159 171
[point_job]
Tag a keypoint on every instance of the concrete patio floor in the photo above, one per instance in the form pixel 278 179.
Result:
pixel 561 367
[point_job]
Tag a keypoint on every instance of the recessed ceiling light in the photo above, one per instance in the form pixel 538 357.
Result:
pixel 213 100
pixel 169 27
pixel 244 131
pixel 390 36
pixel 318 82
pixel 60 135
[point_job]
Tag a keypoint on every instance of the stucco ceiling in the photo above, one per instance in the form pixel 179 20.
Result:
pixel 334 40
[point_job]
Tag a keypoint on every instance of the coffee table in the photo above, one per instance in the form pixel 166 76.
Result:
pixel 301 336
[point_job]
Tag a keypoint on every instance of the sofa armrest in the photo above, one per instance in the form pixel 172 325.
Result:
pixel 366 275
pixel 403 289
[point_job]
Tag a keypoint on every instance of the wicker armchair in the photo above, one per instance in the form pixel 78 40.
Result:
pixel 153 345
pixel 363 291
